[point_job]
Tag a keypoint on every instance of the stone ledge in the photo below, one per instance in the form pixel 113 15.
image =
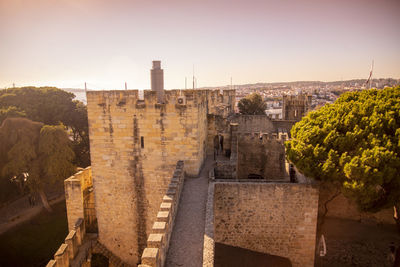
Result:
pixel 159 227
pixel 155 240
pixel 150 256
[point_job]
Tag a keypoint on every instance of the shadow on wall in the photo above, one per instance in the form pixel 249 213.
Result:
pixel 229 256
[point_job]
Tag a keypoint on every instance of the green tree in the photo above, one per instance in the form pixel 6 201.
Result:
pixel 10 112
pixel 42 152
pixel 50 106
pixel 252 105
pixel 354 143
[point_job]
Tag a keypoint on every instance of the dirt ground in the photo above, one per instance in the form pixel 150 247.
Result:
pixel 351 243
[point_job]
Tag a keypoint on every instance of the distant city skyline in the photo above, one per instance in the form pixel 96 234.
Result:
pixel 107 43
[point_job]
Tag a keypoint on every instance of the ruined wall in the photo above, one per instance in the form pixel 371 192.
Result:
pixel 264 157
pixel 274 218
pixel 135 145
pixel 221 102
pixel 74 188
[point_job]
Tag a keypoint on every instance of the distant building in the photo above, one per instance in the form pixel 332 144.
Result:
pixel 295 107
pixel 274 113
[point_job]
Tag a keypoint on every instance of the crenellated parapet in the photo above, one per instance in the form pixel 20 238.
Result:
pixel 263 138
pixel 155 253
pixel 77 188
pixel 66 255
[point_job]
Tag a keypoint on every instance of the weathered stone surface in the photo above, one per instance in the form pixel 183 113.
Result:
pixel 278 219
pixel 74 188
pixel 134 151
pixel 263 156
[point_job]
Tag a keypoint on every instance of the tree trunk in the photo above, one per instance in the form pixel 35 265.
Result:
pixel 45 202
pixel 322 217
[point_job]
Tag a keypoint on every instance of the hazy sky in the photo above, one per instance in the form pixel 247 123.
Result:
pixel 107 42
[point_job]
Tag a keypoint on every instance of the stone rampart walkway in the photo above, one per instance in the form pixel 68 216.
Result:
pixel 186 244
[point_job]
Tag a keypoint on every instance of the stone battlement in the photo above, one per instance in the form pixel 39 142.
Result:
pixel 69 249
pixel 264 137
pixel 76 187
pixel 181 98
pixel 158 240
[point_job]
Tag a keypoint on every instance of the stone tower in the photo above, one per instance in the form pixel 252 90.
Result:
pixel 295 107
pixel 157 80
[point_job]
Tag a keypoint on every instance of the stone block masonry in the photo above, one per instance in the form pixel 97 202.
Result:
pixel 66 253
pixel 264 157
pixel 75 187
pixel 135 145
pixel 155 253
pixel 274 218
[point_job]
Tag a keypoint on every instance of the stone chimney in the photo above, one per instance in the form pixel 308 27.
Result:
pixel 157 80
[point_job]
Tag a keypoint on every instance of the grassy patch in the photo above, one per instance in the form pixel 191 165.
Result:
pixel 34 243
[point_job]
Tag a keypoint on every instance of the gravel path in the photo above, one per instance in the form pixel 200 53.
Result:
pixel 186 245
pixel 19 211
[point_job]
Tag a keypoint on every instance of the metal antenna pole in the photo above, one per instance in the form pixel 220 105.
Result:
pixel 372 71
pixel 126 86
pixel 85 87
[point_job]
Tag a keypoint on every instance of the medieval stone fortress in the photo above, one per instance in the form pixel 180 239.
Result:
pixel 146 149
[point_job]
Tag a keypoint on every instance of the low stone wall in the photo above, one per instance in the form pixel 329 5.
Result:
pixel 68 250
pixel 224 170
pixel 208 243
pixel 158 240
pixel 273 218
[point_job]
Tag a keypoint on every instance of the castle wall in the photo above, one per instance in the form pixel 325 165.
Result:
pixel 217 125
pixel 264 157
pixel 295 107
pixel 283 125
pixel 283 225
pixel 254 123
pixel 74 188
pixel 134 148
pixel 221 102
pixel 158 241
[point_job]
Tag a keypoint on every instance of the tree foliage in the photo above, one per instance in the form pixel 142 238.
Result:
pixel 252 104
pixel 354 142
pixel 43 152
pixel 50 106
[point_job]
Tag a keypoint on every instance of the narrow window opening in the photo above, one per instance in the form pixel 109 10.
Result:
pixel 142 142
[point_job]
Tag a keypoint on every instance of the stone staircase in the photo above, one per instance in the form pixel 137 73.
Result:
pixel 97 247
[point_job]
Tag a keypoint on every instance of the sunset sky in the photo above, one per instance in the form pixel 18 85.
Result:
pixel 64 43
